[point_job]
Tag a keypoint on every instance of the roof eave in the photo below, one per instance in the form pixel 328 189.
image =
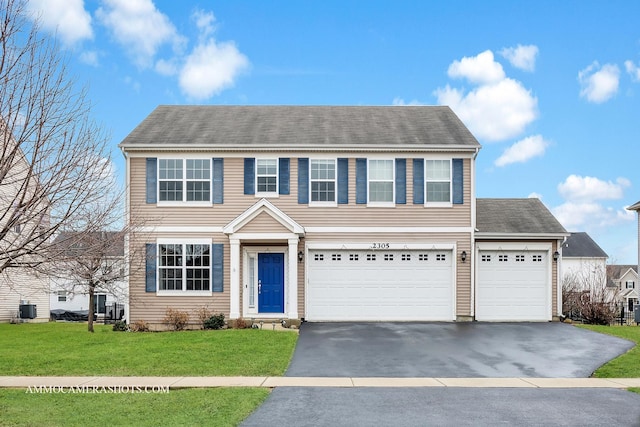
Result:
pixel 520 236
pixel 271 148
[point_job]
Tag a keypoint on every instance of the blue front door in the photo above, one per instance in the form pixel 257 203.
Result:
pixel 271 283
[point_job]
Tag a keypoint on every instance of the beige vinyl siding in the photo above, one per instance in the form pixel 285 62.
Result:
pixel 19 285
pixel 264 223
pixel 236 202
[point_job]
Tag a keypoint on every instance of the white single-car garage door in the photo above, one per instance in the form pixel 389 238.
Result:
pixel 379 285
pixel 513 285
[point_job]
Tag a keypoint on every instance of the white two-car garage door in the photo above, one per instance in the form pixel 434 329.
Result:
pixel 378 285
pixel 513 285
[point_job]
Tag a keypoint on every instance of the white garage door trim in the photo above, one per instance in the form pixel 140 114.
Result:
pixel 380 307
pixel 486 308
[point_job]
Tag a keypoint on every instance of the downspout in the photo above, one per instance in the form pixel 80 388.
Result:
pixel 127 218
pixel 472 254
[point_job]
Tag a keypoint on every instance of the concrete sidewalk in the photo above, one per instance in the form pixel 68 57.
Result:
pixel 341 382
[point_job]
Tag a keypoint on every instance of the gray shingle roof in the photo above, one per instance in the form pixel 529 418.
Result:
pixel 615 272
pixel 300 126
pixel 581 245
pixel 521 216
pixel 635 207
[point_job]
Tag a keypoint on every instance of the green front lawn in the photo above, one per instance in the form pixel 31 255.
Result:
pixel 67 349
pixel 184 407
pixel 628 364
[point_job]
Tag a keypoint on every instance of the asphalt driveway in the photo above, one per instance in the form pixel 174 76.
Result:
pixel 451 350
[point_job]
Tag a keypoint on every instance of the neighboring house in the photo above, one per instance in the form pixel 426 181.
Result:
pixel 24 295
pixel 69 291
pixel 330 214
pixel 583 261
pixel 623 279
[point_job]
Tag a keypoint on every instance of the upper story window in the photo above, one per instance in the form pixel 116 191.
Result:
pixel 630 284
pixel 267 176
pixel 381 181
pixel 323 180
pixel 438 181
pixel 184 180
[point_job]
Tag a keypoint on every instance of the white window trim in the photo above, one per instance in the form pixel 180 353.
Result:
pixel 390 204
pixel 184 292
pixel 335 181
pixel 184 180
pixel 267 194
pixel 427 203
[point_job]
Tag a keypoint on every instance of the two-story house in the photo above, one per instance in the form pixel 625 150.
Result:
pixel 330 214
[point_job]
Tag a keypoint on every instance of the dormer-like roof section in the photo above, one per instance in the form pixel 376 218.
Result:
pixel 581 245
pixel 171 127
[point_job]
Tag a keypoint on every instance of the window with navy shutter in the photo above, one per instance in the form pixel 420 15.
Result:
pixel 217 267
pixel 303 181
pixel 361 181
pixel 152 180
pixel 249 176
pixel 458 181
pixel 418 181
pixel 217 181
pixel 283 172
pixel 401 181
pixel 343 181
pixel 150 267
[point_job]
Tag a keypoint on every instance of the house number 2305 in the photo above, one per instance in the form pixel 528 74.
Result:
pixel 380 246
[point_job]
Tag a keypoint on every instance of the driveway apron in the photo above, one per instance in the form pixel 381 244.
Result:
pixel 451 350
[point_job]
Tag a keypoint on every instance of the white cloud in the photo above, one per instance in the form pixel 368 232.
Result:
pixel 477 69
pixel 599 83
pixel 589 215
pixel 90 57
pixel 587 188
pixel 522 151
pixel 633 69
pixel 401 102
pixel 139 28
pixel 523 57
pixel 535 195
pixel 66 17
pixel 205 22
pixel 210 68
pixel 167 67
pixel 493 112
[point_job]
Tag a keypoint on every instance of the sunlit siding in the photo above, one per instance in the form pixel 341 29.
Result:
pixel 17 285
pixel 352 214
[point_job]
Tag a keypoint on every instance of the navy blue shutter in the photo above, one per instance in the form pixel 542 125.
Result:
pixel 361 181
pixel 458 182
pixel 418 181
pixel 152 180
pixel 217 181
pixel 217 267
pixel 401 181
pixel 303 181
pixel 150 268
pixel 343 181
pixel 249 176
pixel 283 176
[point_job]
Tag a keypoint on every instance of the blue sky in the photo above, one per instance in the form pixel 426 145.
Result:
pixel 551 89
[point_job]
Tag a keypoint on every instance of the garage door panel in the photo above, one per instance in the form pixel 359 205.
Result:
pixel 391 285
pixel 513 285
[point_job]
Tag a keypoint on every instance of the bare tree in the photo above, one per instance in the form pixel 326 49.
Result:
pixel 586 297
pixel 54 157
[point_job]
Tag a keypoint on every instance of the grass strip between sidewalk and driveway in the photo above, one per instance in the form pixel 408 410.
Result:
pixel 67 349
pixel 626 365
